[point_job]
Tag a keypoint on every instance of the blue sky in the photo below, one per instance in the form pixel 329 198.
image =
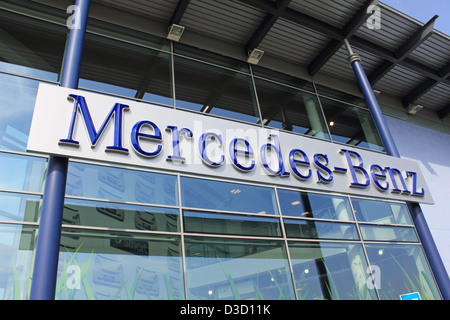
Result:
pixel 424 10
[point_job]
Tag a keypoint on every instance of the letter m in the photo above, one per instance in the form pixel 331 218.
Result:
pixel 94 135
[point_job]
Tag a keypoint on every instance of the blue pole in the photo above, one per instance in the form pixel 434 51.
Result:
pixel 47 248
pixel 372 103
pixel 45 269
pixel 434 258
pixel 70 72
pixel 431 251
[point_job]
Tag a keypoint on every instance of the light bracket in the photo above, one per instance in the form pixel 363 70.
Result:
pixel 175 32
pixel 254 56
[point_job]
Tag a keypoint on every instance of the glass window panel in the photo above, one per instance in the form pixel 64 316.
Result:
pixel 100 182
pixel 284 78
pixel 290 109
pixel 16 258
pixel 222 223
pixel 330 271
pixel 22 173
pixel 339 95
pixel 120 216
pixel 237 269
pixel 227 196
pixel 214 90
pixel 17 99
pixel 381 212
pixel 386 233
pixel 185 50
pixel 34 44
pixel 351 125
pixel 116 31
pixel 19 207
pixel 314 205
pixel 311 229
pixel 402 269
pixel 29 72
pixel 119 266
pixel 121 68
pixel 105 87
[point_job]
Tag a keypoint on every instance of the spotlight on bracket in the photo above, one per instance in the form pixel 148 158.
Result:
pixel 254 56
pixel 175 32
pixel 414 108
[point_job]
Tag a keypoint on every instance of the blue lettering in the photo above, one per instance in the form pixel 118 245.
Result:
pixel 147 141
pixel 276 148
pixel 359 167
pixel 393 172
pixel 294 162
pixel 116 112
pixel 234 151
pixel 377 173
pixel 321 178
pixel 420 193
pixel 136 136
pixel 202 148
pixel 176 142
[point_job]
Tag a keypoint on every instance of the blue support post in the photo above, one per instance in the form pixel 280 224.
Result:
pixel 429 246
pixel 431 251
pixel 372 103
pixel 47 248
pixel 45 269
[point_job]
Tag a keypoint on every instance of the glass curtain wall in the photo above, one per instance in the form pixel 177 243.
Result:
pixel 180 76
pixel 185 237
pixel 138 234
pixel 128 63
pixel 31 51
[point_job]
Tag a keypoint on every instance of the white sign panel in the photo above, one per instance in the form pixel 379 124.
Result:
pixel 85 125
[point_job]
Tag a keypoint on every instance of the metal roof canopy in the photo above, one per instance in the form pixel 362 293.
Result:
pixel 407 61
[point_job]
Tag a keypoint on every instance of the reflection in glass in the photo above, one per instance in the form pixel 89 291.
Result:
pixel 22 173
pixel 340 95
pixel 119 266
pixel 125 69
pixel 330 271
pixel 351 125
pixel 105 87
pixel 403 269
pixel 17 100
pixel 33 43
pixel 237 269
pixel 386 233
pixel 314 205
pixel 283 78
pixel 214 90
pixel 214 58
pixel 111 183
pixel 27 71
pixel 311 229
pixel 290 109
pixel 381 212
pixel 227 196
pixel 16 253
pixel 120 216
pixel 19 207
pixel 222 223
pixel 124 34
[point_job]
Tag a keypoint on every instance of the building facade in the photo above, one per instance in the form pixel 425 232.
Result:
pixel 175 210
